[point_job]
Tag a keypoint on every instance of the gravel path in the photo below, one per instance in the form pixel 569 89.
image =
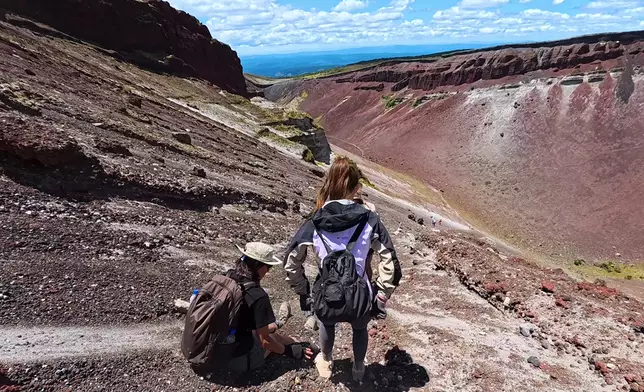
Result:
pixel 19 345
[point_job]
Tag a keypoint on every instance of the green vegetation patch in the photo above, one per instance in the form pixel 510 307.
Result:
pixel 365 182
pixel 611 269
pixel 391 101
pixel 266 134
pixel 417 102
pixel 292 113
pixel 307 156
pixel 289 130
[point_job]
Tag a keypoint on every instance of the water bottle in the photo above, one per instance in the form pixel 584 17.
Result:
pixel 230 339
pixel 194 295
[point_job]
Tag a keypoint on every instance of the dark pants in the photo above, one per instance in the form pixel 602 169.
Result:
pixel 360 338
pixel 250 361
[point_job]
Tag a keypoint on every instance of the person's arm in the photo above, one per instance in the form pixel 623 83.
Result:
pixel 389 272
pixel 267 341
pixel 295 257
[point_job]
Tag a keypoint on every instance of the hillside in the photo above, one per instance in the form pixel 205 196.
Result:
pixel 125 187
pixel 540 145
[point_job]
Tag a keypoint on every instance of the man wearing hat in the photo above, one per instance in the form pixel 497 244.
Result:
pixel 256 335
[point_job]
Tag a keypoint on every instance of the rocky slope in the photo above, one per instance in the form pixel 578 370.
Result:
pixel 149 33
pixel 540 145
pixel 123 189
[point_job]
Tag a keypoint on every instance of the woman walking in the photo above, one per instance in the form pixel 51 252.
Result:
pixel 342 232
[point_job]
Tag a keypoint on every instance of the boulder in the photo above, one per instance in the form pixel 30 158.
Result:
pixel 547 286
pixel 182 137
pixel 149 33
pixel 181 306
pixel 199 171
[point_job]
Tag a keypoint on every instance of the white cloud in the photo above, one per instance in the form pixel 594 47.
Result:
pixel 350 5
pixel 508 21
pixel 524 1
pixel 540 14
pixel 254 26
pixel 481 3
pixel 400 5
pixel 555 2
pixel 612 4
pixel 597 16
pixel 456 13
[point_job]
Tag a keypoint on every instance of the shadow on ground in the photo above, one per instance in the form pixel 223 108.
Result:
pixel 274 367
pixel 399 373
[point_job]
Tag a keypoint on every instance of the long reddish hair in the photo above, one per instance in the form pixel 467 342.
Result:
pixel 342 179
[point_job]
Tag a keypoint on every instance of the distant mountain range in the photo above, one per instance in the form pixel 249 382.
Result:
pixel 294 64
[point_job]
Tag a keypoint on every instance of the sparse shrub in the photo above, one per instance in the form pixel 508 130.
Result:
pixel 391 101
pixel 263 132
pixel 629 277
pixel 580 262
pixel 365 181
pixel 307 156
pixel 611 267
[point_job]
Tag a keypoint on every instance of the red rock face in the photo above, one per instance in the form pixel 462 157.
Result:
pixel 170 40
pixel 497 64
pixel 551 161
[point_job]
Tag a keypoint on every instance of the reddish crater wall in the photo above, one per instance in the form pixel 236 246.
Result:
pixel 150 26
pixel 556 163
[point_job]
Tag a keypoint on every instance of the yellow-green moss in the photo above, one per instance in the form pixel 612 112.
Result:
pixel 611 269
pixel 307 156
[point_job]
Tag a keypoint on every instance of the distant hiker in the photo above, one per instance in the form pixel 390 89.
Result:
pixel 433 221
pixel 440 222
pixel 234 311
pixel 341 233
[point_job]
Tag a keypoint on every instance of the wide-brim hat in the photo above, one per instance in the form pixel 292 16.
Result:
pixel 261 252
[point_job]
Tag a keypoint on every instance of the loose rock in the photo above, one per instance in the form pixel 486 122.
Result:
pixel 534 361
pixel 182 137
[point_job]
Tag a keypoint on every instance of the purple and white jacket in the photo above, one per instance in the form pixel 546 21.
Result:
pixel 337 221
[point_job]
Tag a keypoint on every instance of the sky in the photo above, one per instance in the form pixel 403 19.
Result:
pixel 288 26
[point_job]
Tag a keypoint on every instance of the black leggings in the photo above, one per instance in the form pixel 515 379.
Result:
pixel 360 339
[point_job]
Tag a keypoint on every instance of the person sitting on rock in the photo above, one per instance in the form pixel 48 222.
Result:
pixel 341 232
pixel 256 335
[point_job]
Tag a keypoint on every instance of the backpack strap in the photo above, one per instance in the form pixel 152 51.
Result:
pixel 326 244
pixel 244 286
pixel 247 286
pixel 356 234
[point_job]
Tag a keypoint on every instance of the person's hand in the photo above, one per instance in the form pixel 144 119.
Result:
pixel 306 302
pixel 379 309
pixel 297 351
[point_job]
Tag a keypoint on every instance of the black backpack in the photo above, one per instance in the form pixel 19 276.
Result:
pixel 339 293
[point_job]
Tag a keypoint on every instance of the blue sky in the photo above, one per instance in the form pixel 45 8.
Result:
pixel 284 26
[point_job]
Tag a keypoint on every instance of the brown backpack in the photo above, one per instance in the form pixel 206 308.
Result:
pixel 211 315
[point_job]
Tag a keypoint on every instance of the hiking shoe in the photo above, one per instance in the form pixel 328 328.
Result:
pixel 284 314
pixel 324 366
pixel 357 371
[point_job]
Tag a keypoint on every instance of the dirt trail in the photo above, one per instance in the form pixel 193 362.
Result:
pixel 20 344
